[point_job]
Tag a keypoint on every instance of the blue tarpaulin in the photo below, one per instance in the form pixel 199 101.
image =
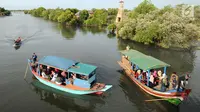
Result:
pixel 57 62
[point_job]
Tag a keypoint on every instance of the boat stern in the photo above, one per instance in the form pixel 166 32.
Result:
pixel 103 90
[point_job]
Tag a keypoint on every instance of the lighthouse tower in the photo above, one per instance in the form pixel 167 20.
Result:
pixel 120 12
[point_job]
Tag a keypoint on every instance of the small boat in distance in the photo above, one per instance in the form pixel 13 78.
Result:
pixel 138 67
pixel 17 43
pixel 79 78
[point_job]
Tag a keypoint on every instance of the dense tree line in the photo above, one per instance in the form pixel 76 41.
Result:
pixel 94 17
pixel 4 12
pixel 165 27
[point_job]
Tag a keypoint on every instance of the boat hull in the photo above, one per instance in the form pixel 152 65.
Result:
pixel 65 88
pixel 173 97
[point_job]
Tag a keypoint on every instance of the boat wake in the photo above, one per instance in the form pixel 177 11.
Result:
pixel 11 39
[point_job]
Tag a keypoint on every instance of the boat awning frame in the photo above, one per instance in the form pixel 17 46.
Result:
pixel 82 69
pixel 143 61
pixel 57 62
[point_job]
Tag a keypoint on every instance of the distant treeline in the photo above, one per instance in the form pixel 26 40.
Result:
pixel 168 27
pixel 73 16
pixel 4 12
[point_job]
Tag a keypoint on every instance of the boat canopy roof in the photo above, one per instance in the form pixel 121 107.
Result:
pixel 57 62
pixel 143 61
pixel 83 69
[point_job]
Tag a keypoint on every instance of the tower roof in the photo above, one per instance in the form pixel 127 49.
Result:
pixel 121 1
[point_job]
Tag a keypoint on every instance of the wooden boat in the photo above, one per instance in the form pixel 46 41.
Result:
pixel 146 63
pixel 77 85
pixel 17 44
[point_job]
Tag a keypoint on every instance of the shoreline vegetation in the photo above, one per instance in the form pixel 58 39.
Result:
pixel 166 27
pixel 4 12
pixel 75 17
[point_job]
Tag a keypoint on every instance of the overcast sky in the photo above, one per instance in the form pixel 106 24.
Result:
pixel 85 4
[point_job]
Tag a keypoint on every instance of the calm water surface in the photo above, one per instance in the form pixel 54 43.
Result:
pixel 88 45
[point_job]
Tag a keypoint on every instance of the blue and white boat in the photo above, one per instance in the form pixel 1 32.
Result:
pixel 84 83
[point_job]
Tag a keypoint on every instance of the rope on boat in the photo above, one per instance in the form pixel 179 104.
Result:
pixel 26 71
pixel 154 100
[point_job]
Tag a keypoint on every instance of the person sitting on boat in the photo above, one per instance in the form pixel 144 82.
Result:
pixel 34 57
pixel 74 76
pixel 137 73
pixel 155 77
pixel 151 81
pixel 140 75
pixel 164 84
pixel 54 76
pixel 160 77
pixel 44 74
pixel 183 82
pixel 41 69
pixel 127 48
pixel 58 80
pixel 18 40
pixel 48 70
pixel 173 81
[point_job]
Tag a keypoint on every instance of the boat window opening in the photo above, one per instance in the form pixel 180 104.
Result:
pixel 92 83
pixel 93 73
pixel 82 77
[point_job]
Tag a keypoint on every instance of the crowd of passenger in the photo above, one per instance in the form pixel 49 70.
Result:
pixel 53 74
pixel 160 81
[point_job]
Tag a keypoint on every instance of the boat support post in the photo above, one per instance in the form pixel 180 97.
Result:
pixel 148 77
pixel 165 68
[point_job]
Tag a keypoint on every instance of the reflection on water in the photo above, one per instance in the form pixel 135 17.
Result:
pixel 93 30
pixel 65 101
pixel 69 32
pixel 138 97
pixel 94 46
pixel 180 61
pixel 110 35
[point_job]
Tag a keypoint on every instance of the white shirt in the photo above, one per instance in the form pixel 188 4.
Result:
pixel 54 77
pixel 44 75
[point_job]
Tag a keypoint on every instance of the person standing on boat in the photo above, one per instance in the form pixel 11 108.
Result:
pixel 34 57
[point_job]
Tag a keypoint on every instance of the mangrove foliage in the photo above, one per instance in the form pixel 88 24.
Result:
pixel 73 16
pixel 166 27
pixel 4 12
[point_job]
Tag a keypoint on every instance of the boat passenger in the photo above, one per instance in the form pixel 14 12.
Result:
pixel 155 77
pixel 56 70
pixel 127 48
pixel 151 82
pixel 137 74
pixel 159 77
pixel 174 80
pixel 48 70
pixel 44 74
pixel 164 84
pixel 54 76
pixel 41 69
pixel 58 80
pixel 74 76
pixel 183 81
pixel 34 57
pixel 18 40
